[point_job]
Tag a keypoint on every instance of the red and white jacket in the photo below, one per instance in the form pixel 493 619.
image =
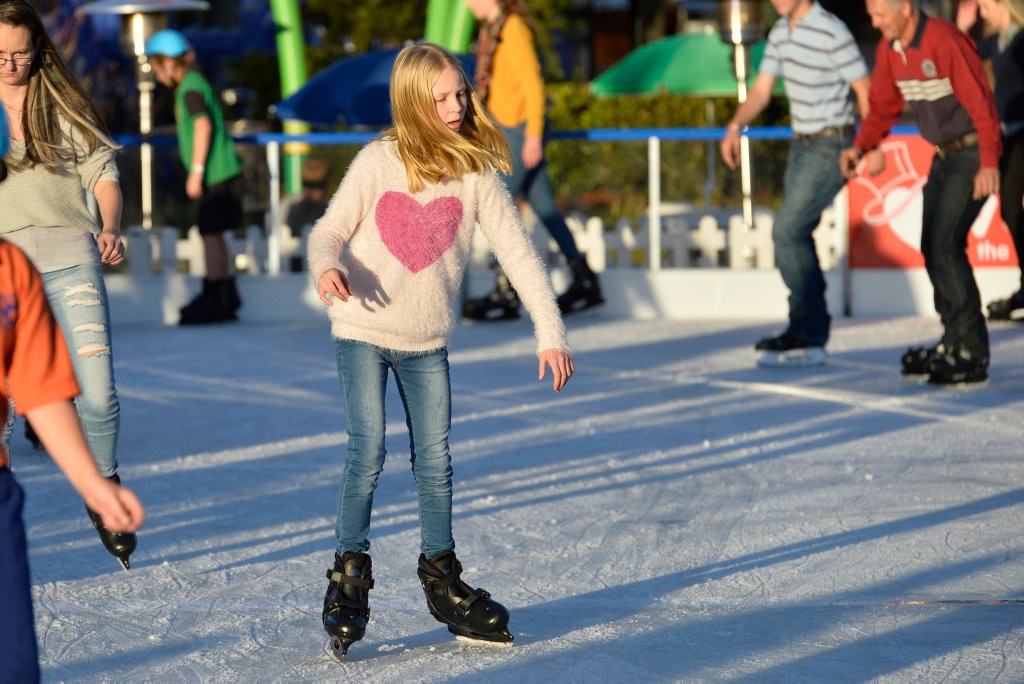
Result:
pixel 939 75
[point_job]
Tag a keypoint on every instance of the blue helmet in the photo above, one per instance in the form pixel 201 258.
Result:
pixel 5 136
pixel 168 42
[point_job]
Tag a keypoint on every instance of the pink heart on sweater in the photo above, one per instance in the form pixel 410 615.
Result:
pixel 417 235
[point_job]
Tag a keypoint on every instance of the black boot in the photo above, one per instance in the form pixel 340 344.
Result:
pixel 211 305
pixel 119 544
pixel 469 613
pixel 346 603
pixel 1004 309
pixel 230 291
pixel 585 290
pixel 501 304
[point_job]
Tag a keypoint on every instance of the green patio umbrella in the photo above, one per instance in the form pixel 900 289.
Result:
pixel 686 63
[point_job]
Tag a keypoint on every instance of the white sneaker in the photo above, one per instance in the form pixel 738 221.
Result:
pixel 793 358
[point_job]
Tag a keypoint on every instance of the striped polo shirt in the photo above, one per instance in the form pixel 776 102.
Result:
pixel 817 60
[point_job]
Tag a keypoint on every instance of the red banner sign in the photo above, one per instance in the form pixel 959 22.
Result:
pixel 885 214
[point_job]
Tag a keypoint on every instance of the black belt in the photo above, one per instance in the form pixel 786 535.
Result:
pixel 965 140
pixel 830 132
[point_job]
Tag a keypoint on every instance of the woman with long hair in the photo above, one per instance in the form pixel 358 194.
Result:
pixel 59 152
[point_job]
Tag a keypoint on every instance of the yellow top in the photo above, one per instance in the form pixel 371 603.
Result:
pixel 516 92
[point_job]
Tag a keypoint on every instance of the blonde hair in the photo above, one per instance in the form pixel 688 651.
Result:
pixel 430 150
pixel 1016 8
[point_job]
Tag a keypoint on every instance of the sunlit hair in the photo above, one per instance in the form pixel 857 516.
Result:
pixel 430 150
pixel 1016 9
pixel 53 95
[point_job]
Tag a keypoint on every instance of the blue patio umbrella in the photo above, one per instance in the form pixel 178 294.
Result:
pixel 352 91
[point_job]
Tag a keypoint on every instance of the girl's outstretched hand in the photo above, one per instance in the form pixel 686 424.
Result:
pixel 332 283
pixel 561 367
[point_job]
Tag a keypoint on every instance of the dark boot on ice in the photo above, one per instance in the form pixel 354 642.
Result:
pixel 585 290
pixel 118 544
pixel 1005 309
pixel 501 304
pixel 346 603
pixel 217 302
pixel 230 295
pixel 469 613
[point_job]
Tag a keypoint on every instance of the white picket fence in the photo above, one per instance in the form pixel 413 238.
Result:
pixel 689 238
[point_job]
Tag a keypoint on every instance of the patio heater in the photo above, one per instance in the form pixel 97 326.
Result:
pixel 739 25
pixel 140 20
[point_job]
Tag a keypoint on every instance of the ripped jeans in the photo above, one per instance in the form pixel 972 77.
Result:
pixel 78 297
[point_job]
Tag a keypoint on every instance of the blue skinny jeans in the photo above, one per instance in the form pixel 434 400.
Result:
pixel 424 385
pixel 535 186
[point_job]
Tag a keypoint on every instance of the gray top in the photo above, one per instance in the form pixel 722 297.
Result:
pixel 47 214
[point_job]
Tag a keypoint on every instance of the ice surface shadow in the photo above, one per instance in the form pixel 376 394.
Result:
pixel 639 623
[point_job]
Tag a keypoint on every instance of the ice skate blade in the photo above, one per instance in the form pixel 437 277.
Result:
pixel 339 647
pixel 504 638
pixel 793 358
pixel 124 563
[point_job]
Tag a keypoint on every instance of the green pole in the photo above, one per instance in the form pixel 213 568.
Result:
pixel 449 24
pixel 291 59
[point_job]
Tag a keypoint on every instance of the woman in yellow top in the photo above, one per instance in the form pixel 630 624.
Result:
pixel 509 82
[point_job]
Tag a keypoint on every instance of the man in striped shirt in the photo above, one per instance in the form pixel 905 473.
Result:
pixel 927 63
pixel 823 71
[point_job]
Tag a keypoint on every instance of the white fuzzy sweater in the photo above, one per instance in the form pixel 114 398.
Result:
pixel 404 255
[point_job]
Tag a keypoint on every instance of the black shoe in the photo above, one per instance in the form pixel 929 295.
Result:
pixel 469 613
pixel 346 603
pixel 918 360
pixel 584 292
pixel 780 343
pixel 501 304
pixel 1003 309
pixel 118 544
pixel 958 367
pixel 211 305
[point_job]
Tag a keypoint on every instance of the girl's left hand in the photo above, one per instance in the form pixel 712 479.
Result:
pixel 111 247
pixel 561 367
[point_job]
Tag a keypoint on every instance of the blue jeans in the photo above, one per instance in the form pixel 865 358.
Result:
pixel 78 298
pixel 534 185
pixel 949 211
pixel 813 178
pixel 424 385
pixel 17 627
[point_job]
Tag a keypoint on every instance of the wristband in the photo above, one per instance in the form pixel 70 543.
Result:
pixel 198 168
pixel 733 126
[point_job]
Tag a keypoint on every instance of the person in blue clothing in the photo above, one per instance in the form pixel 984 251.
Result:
pixel 214 172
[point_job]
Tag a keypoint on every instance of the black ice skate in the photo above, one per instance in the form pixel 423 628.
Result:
pixel 346 603
pixel 1008 309
pixel 119 544
pixel 469 613
pixel 584 292
pixel 500 305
